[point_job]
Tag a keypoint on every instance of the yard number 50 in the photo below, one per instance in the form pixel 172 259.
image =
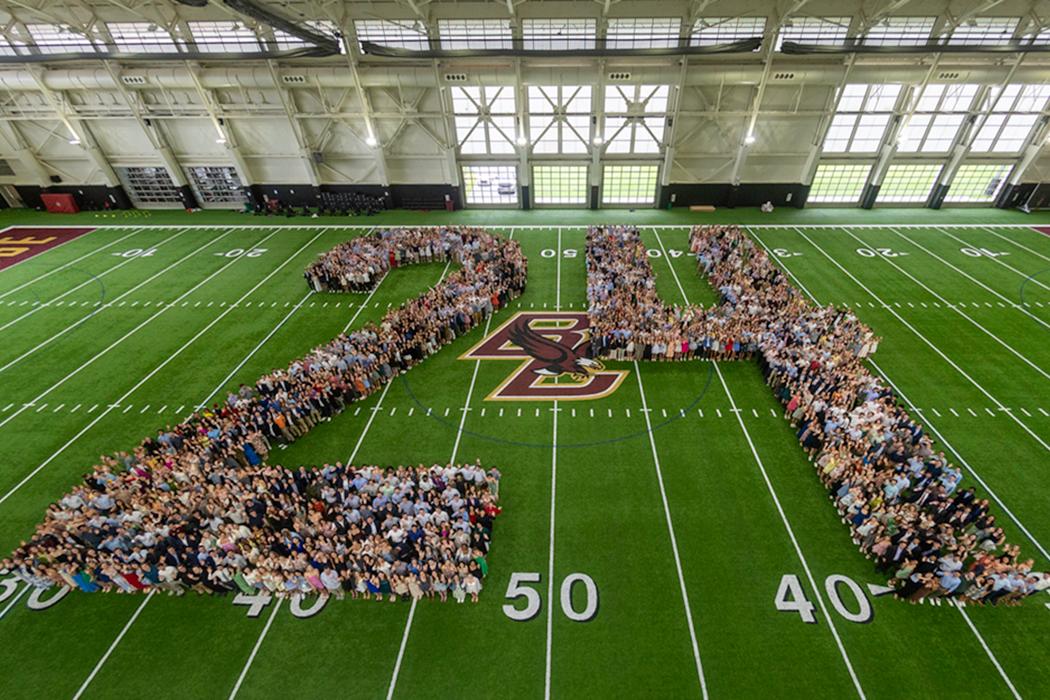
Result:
pixel 518 588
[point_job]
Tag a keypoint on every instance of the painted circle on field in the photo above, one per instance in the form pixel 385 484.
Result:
pixel 1031 278
pixel 453 424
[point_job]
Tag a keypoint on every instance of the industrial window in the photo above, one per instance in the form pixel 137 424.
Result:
pixel 490 184
pixel 559 184
pixel 643 33
pixel 216 184
pixel 149 185
pixel 861 117
pixel 941 111
pixel 484 117
pixel 820 31
pixel 286 41
pixel 908 183
pixel 52 39
pixel 224 37
pixel 984 31
pixel 1016 110
pixel 978 182
pixel 399 34
pixel 559 118
pixel 475 33
pixel 712 31
pixel 838 182
pixel 141 37
pixel 635 115
pixel 900 31
pixel 329 29
pixel 7 48
pixel 629 184
pixel 558 34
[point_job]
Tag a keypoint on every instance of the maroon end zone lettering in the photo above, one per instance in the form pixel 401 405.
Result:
pixel 555 347
pixel 22 242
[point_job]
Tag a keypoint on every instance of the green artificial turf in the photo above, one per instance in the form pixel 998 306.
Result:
pixel 963 340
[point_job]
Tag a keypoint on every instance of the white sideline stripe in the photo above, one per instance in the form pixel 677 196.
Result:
pixel 112 345
pixel 929 424
pixel 401 650
pixel 550 559
pixel 3 613
pixel 674 540
pixel 63 243
pixel 99 310
pixel 787 526
pixel 991 656
pixel 255 650
pixel 969 318
pixel 452 459
pixel 57 300
pixel 925 340
pixel 153 372
pixel 1019 245
pixel 52 271
pixel 996 260
pixel 976 281
pixel 113 646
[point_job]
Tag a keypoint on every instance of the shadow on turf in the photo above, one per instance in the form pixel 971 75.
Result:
pixel 454 426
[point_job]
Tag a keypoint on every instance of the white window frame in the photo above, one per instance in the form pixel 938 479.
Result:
pixel 224 36
pixel 961 177
pixel 395 33
pixel 136 37
pixel 713 31
pixel 559 34
pixel 649 201
pixel 643 32
pixel 576 169
pixel 494 172
pixel 461 34
pixel 814 31
pixel 906 199
pixel 485 116
pixel 984 31
pixel 560 115
pixel 54 39
pixel 901 31
pixel 838 197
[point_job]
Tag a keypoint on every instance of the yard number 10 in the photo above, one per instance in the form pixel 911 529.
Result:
pixel 518 588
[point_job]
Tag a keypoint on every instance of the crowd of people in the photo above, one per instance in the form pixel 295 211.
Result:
pixel 901 498
pixel 197 507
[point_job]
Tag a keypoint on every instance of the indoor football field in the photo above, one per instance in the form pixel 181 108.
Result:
pixel 667 539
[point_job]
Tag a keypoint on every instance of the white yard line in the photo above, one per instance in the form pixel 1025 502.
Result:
pixel 298 305
pixel 255 650
pixel 155 370
pixel 791 534
pixel 401 650
pixel 935 294
pixel 924 339
pixel 997 261
pixel 113 646
pixel 976 281
pixel 100 309
pixel 452 460
pixel 90 280
pixel 550 559
pixel 68 264
pixel 1019 245
pixel 670 532
pixel 927 422
pixel 991 656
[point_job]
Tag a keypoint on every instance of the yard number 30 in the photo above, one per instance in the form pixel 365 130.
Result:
pixel 517 589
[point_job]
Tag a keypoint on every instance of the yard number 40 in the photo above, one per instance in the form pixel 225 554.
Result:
pixel 518 588
pixel 791 598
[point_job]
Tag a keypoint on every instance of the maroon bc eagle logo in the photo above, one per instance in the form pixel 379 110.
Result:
pixel 553 347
